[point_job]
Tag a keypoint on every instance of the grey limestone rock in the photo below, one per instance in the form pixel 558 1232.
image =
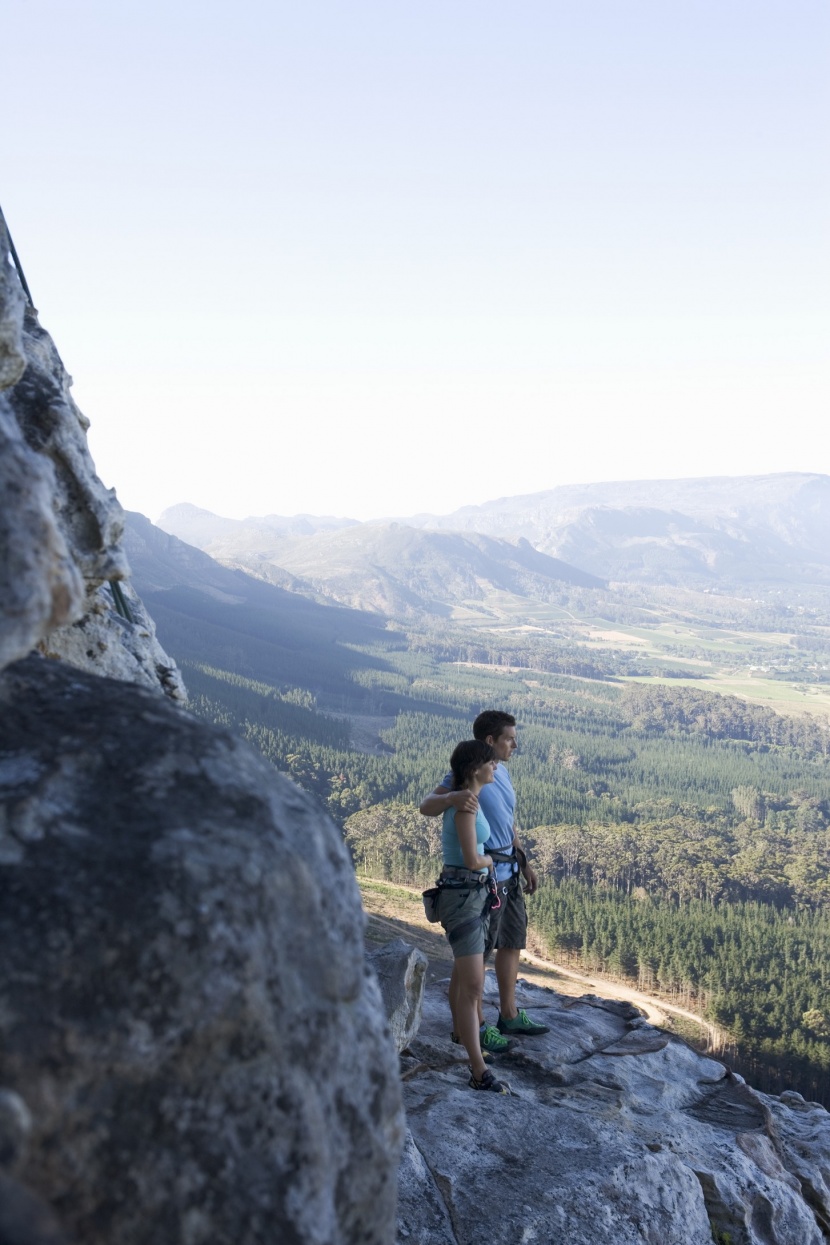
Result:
pixel 104 642
pixel 401 974
pixel 24 1218
pixel 60 529
pixel 185 1008
pixel 40 586
pixel 613 1132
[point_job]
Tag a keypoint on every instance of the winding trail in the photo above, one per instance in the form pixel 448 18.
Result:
pixel 395 910
pixel 655 1009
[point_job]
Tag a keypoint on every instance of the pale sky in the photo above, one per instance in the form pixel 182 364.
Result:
pixel 370 259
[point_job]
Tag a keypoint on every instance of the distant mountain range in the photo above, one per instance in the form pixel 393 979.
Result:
pixel 391 568
pixel 202 528
pixel 731 531
pixel 744 529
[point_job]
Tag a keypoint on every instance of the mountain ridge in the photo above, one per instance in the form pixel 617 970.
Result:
pixel 735 531
pixel 391 568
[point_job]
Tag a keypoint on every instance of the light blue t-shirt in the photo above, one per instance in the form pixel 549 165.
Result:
pixel 497 800
pixel 449 838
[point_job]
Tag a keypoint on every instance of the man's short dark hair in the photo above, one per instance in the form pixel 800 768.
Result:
pixel 492 722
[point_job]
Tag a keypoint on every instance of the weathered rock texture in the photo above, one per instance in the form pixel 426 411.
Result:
pixel 401 974
pixel 60 529
pixel 24 1219
pixel 184 1005
pixel 613 1133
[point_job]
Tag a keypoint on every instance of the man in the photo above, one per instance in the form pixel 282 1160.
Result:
pixel 508 924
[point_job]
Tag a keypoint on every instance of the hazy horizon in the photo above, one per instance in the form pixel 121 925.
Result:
pixel 399 517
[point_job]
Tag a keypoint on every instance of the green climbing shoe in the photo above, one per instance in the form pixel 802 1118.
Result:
pixel 520 1024
pixel 492 1040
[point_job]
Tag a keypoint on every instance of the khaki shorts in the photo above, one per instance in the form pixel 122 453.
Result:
pixel 507 927
pixel 461 912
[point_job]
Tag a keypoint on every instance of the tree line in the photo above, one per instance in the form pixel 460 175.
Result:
pixel 757 971
pixel 669 804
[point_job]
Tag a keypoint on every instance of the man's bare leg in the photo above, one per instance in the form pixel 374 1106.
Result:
pixel 507 970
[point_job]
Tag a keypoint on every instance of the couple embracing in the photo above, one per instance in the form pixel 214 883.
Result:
pixel 481 903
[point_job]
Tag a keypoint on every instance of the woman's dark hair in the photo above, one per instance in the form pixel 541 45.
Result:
pixel 467 757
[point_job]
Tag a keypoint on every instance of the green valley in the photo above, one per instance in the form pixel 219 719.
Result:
pixel 682 827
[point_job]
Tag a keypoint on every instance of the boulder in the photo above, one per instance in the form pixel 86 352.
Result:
pixel 185 1007
pixel 401 973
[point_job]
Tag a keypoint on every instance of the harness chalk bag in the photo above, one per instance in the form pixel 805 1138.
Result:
pixel 430 899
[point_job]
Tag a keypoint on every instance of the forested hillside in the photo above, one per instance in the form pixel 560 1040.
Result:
pixel 683 836
pixel 759 971
pixel 692 864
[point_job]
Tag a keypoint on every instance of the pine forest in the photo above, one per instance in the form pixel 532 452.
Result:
pixel 682 835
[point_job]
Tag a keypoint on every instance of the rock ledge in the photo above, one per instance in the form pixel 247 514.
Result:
pixel 614 1132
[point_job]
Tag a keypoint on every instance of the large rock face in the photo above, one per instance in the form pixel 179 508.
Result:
pixel 40 586
pixel 614 1134
pixel 184 1006
pixel 60 529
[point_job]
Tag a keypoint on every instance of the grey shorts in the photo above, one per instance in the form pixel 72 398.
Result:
pixel 461 912
pixel 507 926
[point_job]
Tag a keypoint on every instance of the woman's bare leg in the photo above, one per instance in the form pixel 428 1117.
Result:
pixel 466 986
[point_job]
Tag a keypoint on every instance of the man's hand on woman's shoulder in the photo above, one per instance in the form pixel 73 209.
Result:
pixel 463 801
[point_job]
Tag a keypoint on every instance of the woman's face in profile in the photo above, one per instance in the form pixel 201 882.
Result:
pixel 486 772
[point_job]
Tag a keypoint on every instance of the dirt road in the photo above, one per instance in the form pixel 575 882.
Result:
pixel 397 912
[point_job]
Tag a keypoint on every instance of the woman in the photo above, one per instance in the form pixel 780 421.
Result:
pixel 463 903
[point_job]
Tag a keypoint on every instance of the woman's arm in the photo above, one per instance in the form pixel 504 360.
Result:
pixel 465 824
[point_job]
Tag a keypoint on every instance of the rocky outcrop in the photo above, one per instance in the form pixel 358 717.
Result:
pixel 184 1006
pixel 119 643
pixel 40 586
pixel 182 960
pixel 613 1132
pixel 401 975
pixel 60 529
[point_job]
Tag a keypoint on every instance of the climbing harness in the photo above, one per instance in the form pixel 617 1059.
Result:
pixel 431 896
pixel 462 879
